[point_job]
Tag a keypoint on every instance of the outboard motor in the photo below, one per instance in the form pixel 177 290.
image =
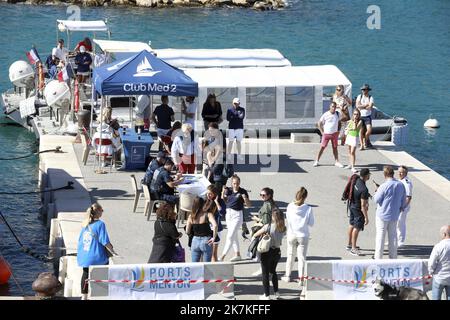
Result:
pixel 21 74
pixel 57 94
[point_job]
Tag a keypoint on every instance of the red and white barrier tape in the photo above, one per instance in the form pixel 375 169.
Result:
pixel 165 281
pixel 359 282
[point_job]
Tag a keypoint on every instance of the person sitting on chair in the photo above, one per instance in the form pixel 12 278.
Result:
pixel 106 148
pixel 162 186
pixel 156 163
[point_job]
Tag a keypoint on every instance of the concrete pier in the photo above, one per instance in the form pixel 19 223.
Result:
pixel 131 233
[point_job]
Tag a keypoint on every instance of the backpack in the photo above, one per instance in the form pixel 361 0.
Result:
pixel 347 195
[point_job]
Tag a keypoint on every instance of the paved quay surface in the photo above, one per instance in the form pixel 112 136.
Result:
pixel 131 233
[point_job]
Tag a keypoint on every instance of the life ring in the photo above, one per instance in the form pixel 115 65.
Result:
pixel 41 83
pixel 5 271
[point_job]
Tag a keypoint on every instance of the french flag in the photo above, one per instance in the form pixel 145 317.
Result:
pixel 66 73
pixel 33 56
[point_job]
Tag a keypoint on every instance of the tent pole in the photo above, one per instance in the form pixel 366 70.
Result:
pixel 101 136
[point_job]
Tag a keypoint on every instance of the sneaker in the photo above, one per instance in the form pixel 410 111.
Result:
pixel 348 167
pixel 348 248
pixel 264 297
pixel 355 252
pixel 286 279
pixel 400 245
pixel 236 258
pixel 316 163
pixel 257 273
pixel 276 295
pixel 338 164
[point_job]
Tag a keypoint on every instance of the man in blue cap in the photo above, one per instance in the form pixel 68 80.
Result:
pixel 154 164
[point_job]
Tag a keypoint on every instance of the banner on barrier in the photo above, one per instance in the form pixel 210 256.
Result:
pixel 394 272
pixel 140 288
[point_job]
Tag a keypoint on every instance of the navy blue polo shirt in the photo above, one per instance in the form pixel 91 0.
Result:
pixel 161 182
pixel 235 200
pixel 164 115
pixel 236 117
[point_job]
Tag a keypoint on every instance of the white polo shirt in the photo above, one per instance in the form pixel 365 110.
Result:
pixel 408 188
pixel 330 122
pixel 364 100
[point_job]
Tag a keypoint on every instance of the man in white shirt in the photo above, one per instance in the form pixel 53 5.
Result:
pixel 189 108
pixel 401 225
pixel 329 127
pixel 60 52
pixel 184 149
pixel 439 265
pixel 364 102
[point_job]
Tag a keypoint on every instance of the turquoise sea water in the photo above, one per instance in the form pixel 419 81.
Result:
pixel 406 62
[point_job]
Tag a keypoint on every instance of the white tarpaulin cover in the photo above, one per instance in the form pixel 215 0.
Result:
pixel 140 290
pixel 208 58
pixel 327 75
pixel 74 25
pixel 122 46
pixel 27 107
pixel 390 271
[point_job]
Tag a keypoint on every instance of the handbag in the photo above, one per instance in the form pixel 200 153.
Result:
pixel 264 243
pixel 179 255
pixel 109 253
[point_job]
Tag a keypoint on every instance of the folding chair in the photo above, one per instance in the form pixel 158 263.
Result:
pixel 150 203
pixel 138 192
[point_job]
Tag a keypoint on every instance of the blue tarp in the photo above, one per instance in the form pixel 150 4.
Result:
pixel 143 73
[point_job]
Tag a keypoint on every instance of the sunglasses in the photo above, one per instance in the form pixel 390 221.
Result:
pixel 263 194
pixel 338 89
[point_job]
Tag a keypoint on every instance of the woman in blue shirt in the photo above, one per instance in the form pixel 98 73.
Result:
pixel 93 244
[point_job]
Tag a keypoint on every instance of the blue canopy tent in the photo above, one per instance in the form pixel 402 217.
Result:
pixel 141 74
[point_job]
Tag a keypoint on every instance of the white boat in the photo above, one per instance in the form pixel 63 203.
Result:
pixel 275 94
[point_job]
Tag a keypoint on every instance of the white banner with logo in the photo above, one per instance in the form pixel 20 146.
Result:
pixel 390 271
pixel 140 288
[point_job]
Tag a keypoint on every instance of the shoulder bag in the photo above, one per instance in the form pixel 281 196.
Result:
pixel 264 243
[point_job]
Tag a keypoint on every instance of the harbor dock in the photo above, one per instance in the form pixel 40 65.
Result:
pixel 131 233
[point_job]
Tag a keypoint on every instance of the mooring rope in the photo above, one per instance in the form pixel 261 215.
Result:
pixel 67 187
pixel 56 150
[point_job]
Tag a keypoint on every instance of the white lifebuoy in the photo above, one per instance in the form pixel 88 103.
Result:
pixel 431 123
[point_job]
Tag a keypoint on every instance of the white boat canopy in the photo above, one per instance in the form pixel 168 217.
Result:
pixel 308 76
pixel 122 46
pixel 209 58
pixel 74 25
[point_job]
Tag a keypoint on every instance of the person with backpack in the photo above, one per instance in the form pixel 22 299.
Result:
pixel 357 196
pixel 329 127
pixel 364 103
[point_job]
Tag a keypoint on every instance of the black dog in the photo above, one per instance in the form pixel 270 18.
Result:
pixel 385 291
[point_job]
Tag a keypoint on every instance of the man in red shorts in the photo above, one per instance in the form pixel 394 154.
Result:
pixel 329 127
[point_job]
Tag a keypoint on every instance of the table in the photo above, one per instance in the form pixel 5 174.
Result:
pixel 195 184
pixel 136 148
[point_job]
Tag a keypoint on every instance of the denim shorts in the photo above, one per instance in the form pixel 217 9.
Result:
pixel 367 120
pixel 357 218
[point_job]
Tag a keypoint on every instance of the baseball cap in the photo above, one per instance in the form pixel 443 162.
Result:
pixel 236 100
pixel 364 172
pixel 82 49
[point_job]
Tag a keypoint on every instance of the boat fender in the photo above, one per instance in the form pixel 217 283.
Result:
pixel 5 271
pixel 431 123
